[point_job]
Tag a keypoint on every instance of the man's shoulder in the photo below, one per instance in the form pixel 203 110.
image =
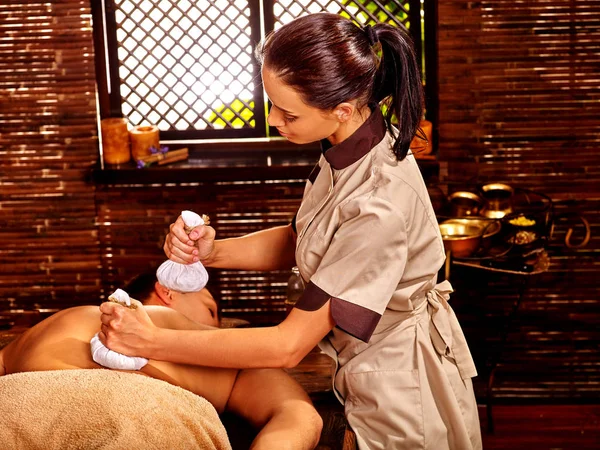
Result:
pixel 165 317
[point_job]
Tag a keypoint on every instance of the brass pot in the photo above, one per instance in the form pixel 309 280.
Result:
pixel 460 237
pixel 491 228
pixel 498 200
pixel 464 203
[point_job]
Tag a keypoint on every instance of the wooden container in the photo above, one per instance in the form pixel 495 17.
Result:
pixel 115 140
pixel 143 137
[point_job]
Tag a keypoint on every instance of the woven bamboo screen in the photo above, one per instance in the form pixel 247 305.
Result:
pixel 134 219
pixel 48 244
pixel 519 102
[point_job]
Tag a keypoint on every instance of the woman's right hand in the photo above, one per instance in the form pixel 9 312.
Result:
pixel 184 249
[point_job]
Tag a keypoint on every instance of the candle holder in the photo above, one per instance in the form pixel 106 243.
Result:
pixel 115 140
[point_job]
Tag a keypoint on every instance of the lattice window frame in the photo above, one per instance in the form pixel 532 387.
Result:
pixel 112 83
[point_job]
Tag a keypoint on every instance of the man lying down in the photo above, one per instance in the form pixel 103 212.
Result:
pixel 267 398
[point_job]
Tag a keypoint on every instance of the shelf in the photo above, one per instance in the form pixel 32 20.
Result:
pixel 540 265
pixel 229 164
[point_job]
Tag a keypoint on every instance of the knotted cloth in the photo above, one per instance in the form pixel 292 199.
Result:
pixel 184 277
pixel 109 358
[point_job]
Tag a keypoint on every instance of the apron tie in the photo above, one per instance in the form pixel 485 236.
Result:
pixel 446 335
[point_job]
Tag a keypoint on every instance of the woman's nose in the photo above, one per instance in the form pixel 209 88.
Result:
pixel 275 118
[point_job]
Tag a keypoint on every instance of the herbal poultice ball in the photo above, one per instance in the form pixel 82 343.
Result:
pixel 184 277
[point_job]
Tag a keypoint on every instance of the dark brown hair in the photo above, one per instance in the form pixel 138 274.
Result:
pixel 330 60
pixel 141 287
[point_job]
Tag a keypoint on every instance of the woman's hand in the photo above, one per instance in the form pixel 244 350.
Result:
pixel 127 331
pixel 184 249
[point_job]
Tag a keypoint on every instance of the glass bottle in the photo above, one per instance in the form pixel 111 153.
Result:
pixel 295 288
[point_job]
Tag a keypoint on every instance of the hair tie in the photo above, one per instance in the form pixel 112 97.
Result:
pixel 374 44
pixel 371 35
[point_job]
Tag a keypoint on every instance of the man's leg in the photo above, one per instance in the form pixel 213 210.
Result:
pixel 276 404
pixel 2 368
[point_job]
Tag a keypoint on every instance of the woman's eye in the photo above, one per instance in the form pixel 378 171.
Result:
pixel 290 119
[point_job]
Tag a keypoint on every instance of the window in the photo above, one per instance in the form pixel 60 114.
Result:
pixel 188 67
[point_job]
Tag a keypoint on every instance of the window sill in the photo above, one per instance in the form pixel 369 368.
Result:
pixel 258 161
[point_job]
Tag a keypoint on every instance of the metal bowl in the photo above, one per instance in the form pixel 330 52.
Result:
pixel 461 238
pixel 465 203
pixel 498 199
pixel 491 228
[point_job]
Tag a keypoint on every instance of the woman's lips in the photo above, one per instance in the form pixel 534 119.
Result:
pixel 282 133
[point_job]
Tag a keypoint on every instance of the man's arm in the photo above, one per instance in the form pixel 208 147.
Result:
pixel 275 403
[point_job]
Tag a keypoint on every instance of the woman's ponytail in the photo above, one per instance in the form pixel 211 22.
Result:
pixel 398 86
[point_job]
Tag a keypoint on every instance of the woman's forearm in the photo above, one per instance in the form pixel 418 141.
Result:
pixel 270 249
pixel 228 348
pixel 281 346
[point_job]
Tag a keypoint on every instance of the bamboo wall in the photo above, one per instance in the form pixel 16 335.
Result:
pixel 134 219
pixel 48 238
pixel 519 103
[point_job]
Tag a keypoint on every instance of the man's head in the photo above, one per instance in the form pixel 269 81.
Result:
pixel 199 306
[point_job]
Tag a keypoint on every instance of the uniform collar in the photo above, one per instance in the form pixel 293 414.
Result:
pixel 353 148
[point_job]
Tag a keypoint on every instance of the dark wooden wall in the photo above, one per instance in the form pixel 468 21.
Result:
pixel 134 219
pixel 49 249
pixel 519 103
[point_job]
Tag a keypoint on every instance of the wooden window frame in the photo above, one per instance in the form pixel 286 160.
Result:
pixel 107 67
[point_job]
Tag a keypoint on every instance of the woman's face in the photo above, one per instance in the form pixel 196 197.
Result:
pixel 295 120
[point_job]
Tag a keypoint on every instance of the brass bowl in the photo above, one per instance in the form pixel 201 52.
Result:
pixel 465 203
pixel 461 238
pixel 498 199
pixel 491 228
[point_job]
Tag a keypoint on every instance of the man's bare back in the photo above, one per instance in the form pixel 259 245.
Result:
pixel 63 342
pixel 267 398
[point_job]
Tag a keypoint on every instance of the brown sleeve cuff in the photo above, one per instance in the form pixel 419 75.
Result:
pixel 355 320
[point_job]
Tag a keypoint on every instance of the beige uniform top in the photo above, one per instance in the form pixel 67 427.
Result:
pixel 369 241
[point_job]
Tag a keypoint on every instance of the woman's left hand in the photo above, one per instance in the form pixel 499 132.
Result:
pixel 127 331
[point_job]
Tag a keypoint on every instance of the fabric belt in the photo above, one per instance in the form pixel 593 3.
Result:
pixel 446 335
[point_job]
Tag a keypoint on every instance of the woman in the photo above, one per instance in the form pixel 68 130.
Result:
pixel 365 239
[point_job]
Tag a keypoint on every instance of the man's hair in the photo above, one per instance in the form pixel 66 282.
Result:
pixel 141 286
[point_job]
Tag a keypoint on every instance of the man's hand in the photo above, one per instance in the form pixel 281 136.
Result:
pixel 184 249
pixel 127 331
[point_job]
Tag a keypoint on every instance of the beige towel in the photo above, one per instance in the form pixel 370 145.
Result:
pixel 103 409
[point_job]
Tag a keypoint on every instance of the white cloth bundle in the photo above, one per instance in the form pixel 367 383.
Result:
pixel 184 277
pixel 109 358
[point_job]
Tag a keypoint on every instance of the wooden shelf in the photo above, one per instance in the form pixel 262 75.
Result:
pixel 229 166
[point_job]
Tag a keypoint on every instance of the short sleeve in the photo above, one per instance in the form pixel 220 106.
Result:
pixel 362 267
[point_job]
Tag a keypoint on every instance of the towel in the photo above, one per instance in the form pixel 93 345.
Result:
pixel 103 409
pixel 184 277
pixel 109 358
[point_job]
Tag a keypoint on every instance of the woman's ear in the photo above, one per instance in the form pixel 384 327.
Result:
pixel 163 294
pixel 344 112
